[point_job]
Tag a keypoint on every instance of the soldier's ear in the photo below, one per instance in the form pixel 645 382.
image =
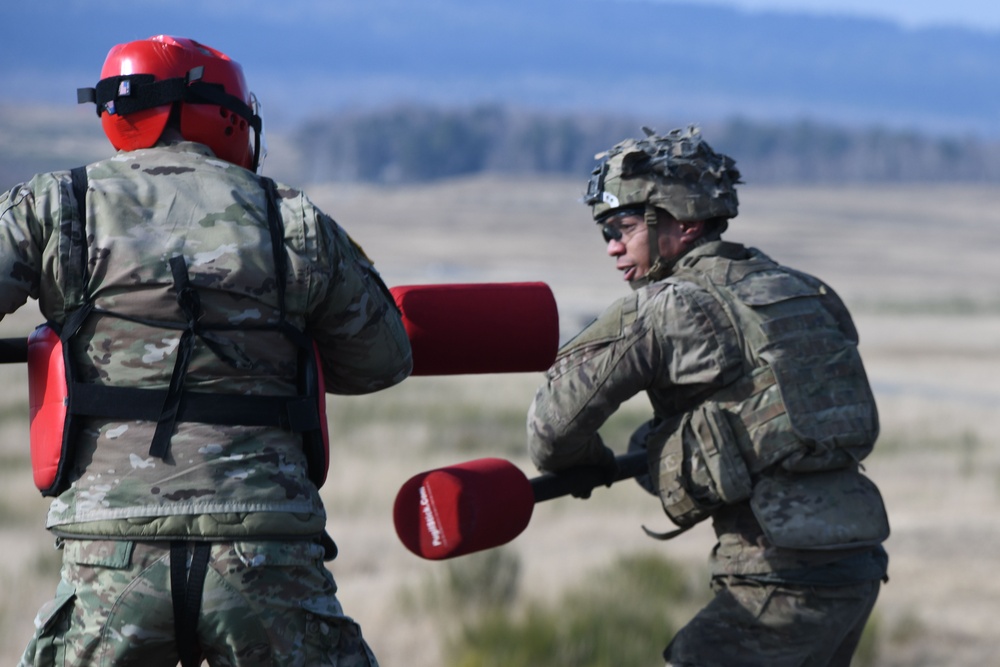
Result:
pixel 695 227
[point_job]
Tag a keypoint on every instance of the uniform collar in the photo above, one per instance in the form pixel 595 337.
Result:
pixel 185 147
pixel 703 250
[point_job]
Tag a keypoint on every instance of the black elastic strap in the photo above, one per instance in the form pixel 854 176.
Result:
pixel 186 589
pixel 666 535
pixel 77 253
pixel 190 304
pixel 280 258
pixel 127 94
pixel 313 443
pixel 295 413
pixel 277 232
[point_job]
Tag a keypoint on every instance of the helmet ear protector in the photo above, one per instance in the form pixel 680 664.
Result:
pixel 142 81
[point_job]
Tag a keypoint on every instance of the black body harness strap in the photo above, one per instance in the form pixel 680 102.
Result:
pixel 186 587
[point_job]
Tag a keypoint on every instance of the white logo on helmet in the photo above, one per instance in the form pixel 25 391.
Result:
pixel 609 199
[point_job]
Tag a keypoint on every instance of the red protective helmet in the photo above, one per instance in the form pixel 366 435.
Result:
pixel 141 82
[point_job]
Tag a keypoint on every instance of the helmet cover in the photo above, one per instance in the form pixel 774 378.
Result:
pixel 677 172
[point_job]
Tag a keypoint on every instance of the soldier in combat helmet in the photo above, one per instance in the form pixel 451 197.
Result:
pixel 202 311
pixel 762 411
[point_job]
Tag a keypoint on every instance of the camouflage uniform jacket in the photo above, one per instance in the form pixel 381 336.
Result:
pixel 143 208
pixel 674 340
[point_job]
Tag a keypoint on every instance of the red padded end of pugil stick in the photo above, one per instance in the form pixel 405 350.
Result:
pixel 479 328
pixel 463 508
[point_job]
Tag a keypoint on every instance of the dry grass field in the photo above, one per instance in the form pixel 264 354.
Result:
pixel 918 267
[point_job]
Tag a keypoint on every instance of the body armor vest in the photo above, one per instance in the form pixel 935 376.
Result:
pixel 800 418
pixel 804 402
pixel 58 399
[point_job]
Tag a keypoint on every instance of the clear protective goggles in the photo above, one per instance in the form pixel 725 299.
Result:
pixel 611 224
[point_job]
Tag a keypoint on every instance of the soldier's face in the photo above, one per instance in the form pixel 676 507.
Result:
pixel 628 243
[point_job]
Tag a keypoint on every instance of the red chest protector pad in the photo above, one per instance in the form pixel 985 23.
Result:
pixel 48 402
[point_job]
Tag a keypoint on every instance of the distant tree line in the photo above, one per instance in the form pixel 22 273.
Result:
pixel 808 152
pixel 407 144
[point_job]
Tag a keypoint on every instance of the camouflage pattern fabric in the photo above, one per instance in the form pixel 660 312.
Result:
pixel 144 207
pixel 767 625
pixel 789 595
pixel 791 431
pixel 264 603
pixel 676 342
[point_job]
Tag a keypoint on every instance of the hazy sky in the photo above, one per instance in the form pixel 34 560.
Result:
pixel 291 45
pixel 983 14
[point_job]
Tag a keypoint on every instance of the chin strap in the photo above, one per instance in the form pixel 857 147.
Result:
pixel 661 267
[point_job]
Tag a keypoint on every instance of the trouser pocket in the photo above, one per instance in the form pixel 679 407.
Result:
pixel 48 646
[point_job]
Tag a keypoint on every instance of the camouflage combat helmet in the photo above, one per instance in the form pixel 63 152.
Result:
pixel 678 173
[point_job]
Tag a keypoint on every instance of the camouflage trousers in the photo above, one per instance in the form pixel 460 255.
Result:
pixel 749 624
pixel 264 603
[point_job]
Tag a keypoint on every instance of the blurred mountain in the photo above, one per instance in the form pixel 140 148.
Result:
pixel 646 58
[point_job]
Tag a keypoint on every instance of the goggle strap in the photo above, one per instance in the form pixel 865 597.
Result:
pixel 138 92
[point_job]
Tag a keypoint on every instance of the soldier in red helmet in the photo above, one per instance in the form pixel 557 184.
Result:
pixel 197 313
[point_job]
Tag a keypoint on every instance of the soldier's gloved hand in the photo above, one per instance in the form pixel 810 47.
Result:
pixel 606 473
pixel 638 443
pixel 609 467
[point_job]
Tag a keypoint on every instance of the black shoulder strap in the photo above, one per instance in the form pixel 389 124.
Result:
pixel 77 270
pixel 277 231
pixel 190 305
pixel 73 265
pixel 313 439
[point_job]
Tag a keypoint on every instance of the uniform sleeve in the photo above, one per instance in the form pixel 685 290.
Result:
pixel 25 219
pixel 606 364
pixel 356 324
pixel 666 340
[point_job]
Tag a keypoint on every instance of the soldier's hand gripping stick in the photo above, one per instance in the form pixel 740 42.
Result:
pixel 484 503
